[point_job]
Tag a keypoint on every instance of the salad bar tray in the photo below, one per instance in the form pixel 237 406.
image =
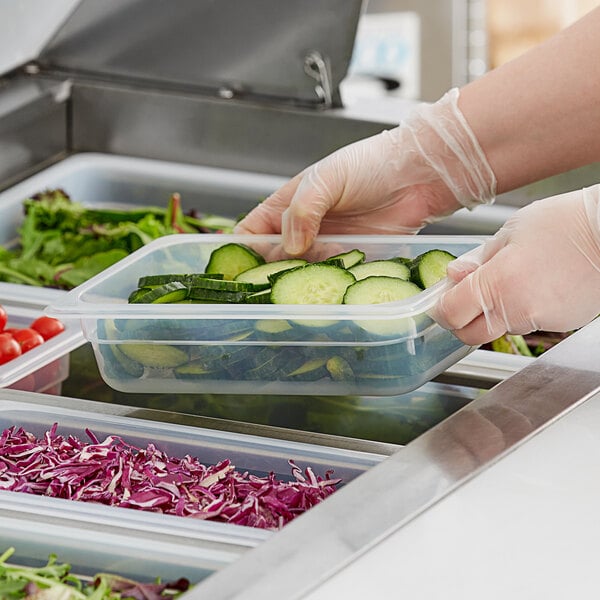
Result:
pixel 169 455
pixel 208 197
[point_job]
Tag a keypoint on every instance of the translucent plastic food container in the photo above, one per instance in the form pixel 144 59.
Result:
pixel 109 181
pixel 90 550
pixel 45 367
pixel 257 455
pixel 377 349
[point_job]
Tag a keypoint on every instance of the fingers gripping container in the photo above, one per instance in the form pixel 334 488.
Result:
pixel 377 349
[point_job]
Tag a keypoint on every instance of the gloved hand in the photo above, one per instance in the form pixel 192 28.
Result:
pixel 541 271
pixel 394 182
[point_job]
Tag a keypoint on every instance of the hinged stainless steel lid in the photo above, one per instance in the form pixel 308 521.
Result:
pixel 293 51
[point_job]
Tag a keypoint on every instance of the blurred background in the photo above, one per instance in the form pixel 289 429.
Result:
pixel 417 49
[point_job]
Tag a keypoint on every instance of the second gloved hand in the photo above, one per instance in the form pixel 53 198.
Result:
pixel 393 182
pixel 540 272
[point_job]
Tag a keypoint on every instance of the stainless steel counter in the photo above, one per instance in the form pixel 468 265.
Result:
pixel 353 537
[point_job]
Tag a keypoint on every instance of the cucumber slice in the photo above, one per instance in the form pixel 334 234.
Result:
pixel 336 262
pixel 196 369
pixel 310 370
pixel 225 285
pixel 273 328
pixel 379 289
pixel 348 259
pixel 128 365
pixel 232 259
pixel 185 278
pixel 216 296
pixel 260 275
pixel 262 297
pixel 137 293
pixel 402 259
pixel 120 363
pixel 389 268
pixel 430 267
pixel 339 369
pixel 273 363
pixel 162 294
pixel 316 283
pixel 155 355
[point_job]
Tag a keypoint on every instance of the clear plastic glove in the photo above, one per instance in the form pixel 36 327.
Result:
pixel 394 182
pixel 541 271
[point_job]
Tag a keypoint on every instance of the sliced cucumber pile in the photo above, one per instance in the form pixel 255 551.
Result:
pixel 281 349
pixel 237 273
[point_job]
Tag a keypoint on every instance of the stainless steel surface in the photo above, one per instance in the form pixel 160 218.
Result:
pixel 33 125
pixel 217 424
pixel 192 129
pixel 483 220
pixel 25 26
pixel 484 369
pixel 229 48
pixel 558 184
pixel 268 431
pixel 310 550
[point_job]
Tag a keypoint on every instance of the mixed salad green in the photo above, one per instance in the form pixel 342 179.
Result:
pixel 54 581
pixel 63 243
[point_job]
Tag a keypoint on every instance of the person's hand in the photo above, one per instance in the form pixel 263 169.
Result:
pixel 541 271
pixel 394 182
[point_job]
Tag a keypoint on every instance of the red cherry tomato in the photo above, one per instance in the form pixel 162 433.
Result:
pixel 47 327
pixel 28 338
pixel 9 348
pixel 3 318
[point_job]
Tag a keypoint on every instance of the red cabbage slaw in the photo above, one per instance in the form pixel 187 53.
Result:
pixel 116 473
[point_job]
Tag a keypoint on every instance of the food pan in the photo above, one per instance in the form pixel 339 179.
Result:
pixel 256 455
pixel 377 349
pixel 108 181
pixel 43 368
pixel 91 549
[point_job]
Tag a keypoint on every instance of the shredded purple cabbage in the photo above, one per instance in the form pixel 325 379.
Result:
pixel 116 473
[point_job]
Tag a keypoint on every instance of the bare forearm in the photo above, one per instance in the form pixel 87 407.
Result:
pixel 539 115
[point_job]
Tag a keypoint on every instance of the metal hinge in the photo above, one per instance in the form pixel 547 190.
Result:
pixel 317 67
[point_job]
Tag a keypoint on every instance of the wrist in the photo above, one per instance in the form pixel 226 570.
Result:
pixel 447 145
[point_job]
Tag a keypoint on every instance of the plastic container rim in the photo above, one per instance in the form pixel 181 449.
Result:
pixel 53 349
pixel 74 305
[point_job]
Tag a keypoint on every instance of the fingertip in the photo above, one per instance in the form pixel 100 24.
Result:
pixel 294 238
pixel 458 269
